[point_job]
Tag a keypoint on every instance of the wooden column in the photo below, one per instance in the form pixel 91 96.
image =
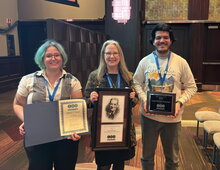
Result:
pixel 198 9
pixel 197 50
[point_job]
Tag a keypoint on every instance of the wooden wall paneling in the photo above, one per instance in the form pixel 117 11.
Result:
pixel 198 9
pixel 211 73
pixel 99 43
pixel 212 42
pixel 147 46
pixel 211 59
pixel 181 45
pixel 74 35
pixel 67 46
pixel 11 71
pixel 93 59
pixel 74 52
pixel 197 50
pixel 83 35
pixel 92 37
pixel 84 66
pixel 76 60
pixel 57 30
pixel 31 35
pixel 79 46
pixel 94 25
pixel 75 49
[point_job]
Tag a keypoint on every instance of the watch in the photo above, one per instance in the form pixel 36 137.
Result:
pixel 181 104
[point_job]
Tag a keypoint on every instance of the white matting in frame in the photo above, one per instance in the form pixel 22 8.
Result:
pixel 111 133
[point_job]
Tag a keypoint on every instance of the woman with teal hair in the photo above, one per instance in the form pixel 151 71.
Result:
pixel 41 53
pixel 51 83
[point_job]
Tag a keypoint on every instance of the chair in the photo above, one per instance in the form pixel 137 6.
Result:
pixel 216 139
pixel 202 116
pixel 210 127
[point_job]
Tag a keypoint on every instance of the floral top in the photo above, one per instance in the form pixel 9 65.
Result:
pixel 93 83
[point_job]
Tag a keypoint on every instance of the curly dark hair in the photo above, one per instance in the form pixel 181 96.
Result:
pixel 162 27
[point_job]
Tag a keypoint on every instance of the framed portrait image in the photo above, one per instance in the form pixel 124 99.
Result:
pixel 111 119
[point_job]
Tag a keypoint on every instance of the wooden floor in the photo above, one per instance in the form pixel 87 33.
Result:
pixel 192 154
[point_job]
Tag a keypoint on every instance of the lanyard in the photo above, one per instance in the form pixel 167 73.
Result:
pixel 110 80
pixel 51 97
pixel 162 79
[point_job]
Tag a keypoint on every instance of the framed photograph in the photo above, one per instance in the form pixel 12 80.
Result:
pixel 66 2
pixel 161 103
pixel 111 119
pixel 10 44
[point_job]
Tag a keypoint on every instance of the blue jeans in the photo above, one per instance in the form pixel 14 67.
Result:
pixel 169 134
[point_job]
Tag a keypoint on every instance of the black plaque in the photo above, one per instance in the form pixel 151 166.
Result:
pixel 161 103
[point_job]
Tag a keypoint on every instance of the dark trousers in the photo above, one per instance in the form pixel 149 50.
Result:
pixel 169 134
pixel 62 155
pixel 115 158
pixel 116 166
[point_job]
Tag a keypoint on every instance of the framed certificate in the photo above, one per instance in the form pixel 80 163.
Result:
pixel 73 117
pixel 161 103
pixel 111 119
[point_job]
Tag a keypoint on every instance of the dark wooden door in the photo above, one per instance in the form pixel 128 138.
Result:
pixel 31 36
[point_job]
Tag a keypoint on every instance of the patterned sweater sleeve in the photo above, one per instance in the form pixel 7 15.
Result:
pixel 91 84
pixel 188 82
pixel 139 82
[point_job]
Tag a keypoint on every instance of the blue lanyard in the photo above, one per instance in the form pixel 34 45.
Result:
pixel 110 81
pixel 162 79
pixel 51 97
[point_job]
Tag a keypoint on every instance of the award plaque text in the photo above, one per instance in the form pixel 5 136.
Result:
pixel 161 103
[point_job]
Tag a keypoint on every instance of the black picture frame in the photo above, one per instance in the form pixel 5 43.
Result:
pixel 161 103
pixel 66 2
pixel 10 44
pixel 111 132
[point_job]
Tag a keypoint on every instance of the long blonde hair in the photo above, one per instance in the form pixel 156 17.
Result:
pixel 102 69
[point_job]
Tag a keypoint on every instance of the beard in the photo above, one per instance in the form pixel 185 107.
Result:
pixel 163 51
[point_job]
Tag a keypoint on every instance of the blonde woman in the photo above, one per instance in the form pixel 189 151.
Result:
pixel 113 73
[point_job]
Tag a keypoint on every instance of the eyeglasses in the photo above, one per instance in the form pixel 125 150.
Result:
pixel 56 55
pixel 108 54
